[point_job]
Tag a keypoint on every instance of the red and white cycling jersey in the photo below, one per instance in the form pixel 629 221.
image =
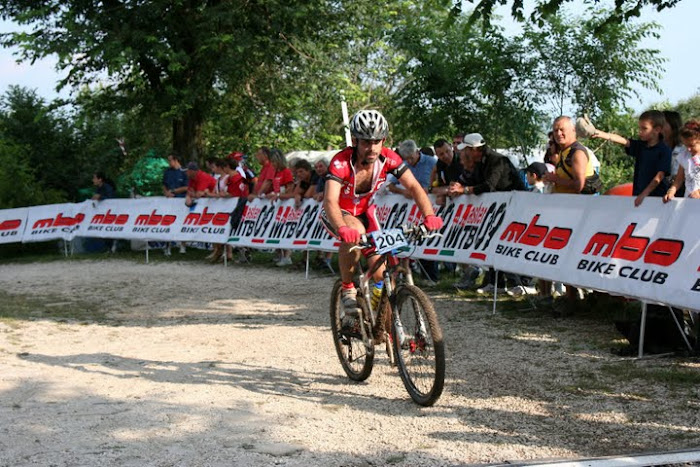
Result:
pixel 342 170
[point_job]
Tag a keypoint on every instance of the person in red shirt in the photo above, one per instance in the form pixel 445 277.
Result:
pixel 282 180
pixel 237 185
pixel 354 175
pixel 282 188
pixel 267 173
pixel 201 184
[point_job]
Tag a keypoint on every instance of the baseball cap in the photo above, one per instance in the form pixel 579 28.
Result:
pixel 192 165
pixel 537 168
pixel 236 155
pixel 472 140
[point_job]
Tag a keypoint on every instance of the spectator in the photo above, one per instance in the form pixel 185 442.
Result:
pixel 492 172
pixel 419 164
pixel 652 157
pixel 200 184
pixel 574 163
pixel 174 186
pixel 267 172
pixel 221 176
pixel 174 178
pixel 448 169
pixel 535 172
pixel 282 188
pixel 688 163
pixel 321 167
pixel 103 188
pixel 211 166
pixel 306 181
pixel 456 141
pixel 323 258
pixel 672 129
pixel 237 186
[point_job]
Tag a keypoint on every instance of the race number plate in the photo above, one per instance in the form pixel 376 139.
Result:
pixel 389 239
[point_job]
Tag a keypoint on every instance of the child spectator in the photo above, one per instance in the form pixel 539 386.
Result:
pixel 652 157
pixel 672 139
pixel 688 163
pixel 534 172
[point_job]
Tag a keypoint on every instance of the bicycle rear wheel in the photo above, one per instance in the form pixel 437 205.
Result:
pixel 356 357
pixel 418 344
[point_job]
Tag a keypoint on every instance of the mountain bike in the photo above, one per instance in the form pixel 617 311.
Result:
pixel 404 319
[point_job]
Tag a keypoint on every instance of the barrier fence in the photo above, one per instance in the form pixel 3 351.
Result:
pixel 651 252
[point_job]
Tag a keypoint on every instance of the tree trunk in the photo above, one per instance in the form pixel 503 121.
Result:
pixel 187 136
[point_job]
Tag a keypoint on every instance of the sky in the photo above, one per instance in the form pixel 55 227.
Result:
pixel 680 77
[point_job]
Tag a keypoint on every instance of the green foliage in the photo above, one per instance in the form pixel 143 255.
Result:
pixel 18 183
pixel 586 65
pixel 689 108
pixel 145 178
pixel 543 9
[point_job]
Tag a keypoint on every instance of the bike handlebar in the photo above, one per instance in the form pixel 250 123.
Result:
pixel 413 233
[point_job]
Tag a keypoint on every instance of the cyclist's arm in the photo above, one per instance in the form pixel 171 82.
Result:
pixel 330 203
pixel 421 199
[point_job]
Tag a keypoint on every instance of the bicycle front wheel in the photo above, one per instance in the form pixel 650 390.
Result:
pixel 418 345
pixel 356 358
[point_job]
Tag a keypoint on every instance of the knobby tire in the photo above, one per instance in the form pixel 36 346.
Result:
pixel 357 360
pixel 421 357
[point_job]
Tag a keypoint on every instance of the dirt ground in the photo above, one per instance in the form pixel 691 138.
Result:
pixel 112 362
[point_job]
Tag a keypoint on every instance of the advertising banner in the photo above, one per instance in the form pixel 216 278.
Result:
pixel 600 242
pixel 470 223
pixel 282 224
pixel 159 218
pixel 12 223
pixel 54 222
pixel 650 252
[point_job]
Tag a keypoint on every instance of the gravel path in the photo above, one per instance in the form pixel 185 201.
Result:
pixel 119 363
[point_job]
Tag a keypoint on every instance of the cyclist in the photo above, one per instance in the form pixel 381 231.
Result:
pixel 354 175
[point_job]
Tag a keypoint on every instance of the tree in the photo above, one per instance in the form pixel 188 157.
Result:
pixel 461 78
pixel 586 66
pixel 623 11
pixel 172 58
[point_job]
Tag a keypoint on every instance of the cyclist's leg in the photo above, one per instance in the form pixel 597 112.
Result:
pixel 347 260
pixel 373 225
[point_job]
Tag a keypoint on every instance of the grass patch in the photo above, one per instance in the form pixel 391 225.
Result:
pixel 17 308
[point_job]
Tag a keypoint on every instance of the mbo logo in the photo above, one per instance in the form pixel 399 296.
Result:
pixel 532 234
pixel 155 219
pixel 219 218
pixel 663 252
pixel 9 228
pixel 109 218
pixel 59 221
pixel 10 225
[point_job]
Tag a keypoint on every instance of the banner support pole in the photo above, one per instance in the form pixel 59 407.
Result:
pixel 642 330
pixel 495 291
pixel 146 252
pixel 307 264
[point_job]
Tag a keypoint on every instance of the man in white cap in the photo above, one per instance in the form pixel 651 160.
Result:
pixel 492 171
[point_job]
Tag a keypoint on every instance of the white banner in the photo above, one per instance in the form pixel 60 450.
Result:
pixel 601 242
pixel 265 224
pixel 606 243
pixel 53 222
pixel 12 223
pixel 160 218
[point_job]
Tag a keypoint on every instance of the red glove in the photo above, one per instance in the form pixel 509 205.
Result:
pixel 432 223
pixel 348 234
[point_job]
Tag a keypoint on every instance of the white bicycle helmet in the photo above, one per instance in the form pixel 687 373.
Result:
pixel 369 124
